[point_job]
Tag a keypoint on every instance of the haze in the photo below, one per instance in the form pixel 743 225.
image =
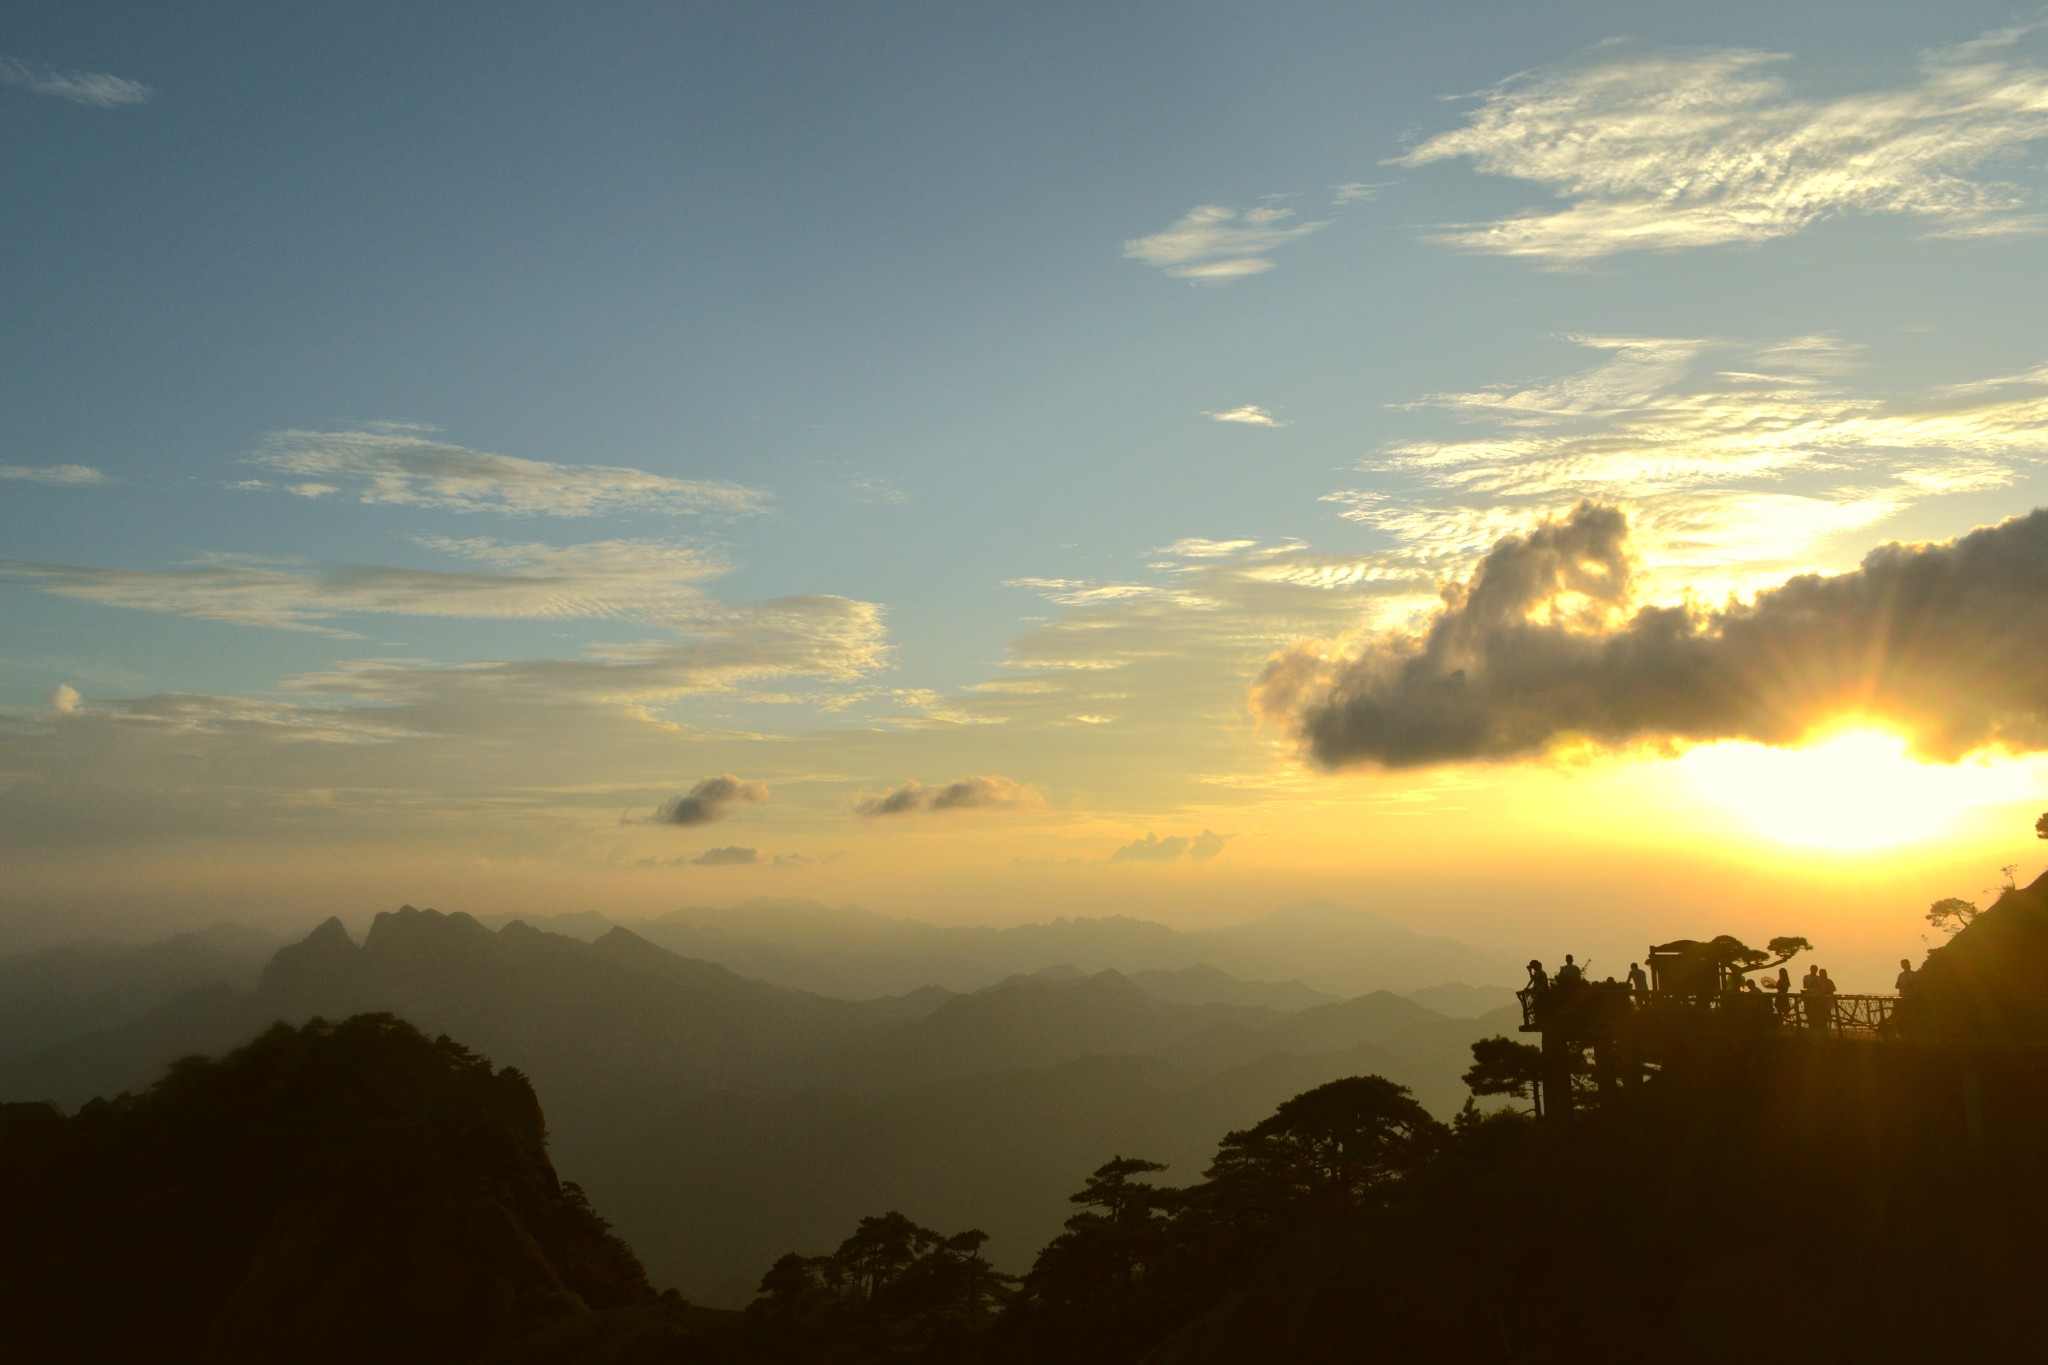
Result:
pixel 986 467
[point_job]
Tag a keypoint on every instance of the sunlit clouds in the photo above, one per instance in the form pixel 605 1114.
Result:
pixel 1214 244
pixel 398 464
pixel 1668 151
pixel 1859 789
pixel 1736 461
pixel 1946 643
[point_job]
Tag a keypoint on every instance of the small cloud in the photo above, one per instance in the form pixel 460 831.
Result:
pixel 965 793
pixel 873 490
pixel 732 855
pixel 64 699
pixel 1197 547
pixel 95 88
pixel 1357 191
pixel 1153 849
pixel 1250 415
pixel 1215 244
pixel 709 801
pixel 789 860
pixel 54 473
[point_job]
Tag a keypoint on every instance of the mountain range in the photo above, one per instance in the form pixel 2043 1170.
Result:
pixel 721 1120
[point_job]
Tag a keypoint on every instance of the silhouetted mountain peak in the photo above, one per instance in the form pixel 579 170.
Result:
pixel 318 956
pixel 410 932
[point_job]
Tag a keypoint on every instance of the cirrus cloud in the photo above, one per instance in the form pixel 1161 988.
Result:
pixel 95 88
pixel 1670 151
pixel 398 464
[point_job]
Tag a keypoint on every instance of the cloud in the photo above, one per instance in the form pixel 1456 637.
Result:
pixel 790 860
pixel 1356 191
pixel 64 699
pixel 396 464
pixel 1946 642
pixel 830 637
pixel 732 855
pixel 1671 151
pixel 965 793
pixel 1249 415
pixel 1739 459
pixel 95 88
pixel 55 473
pixel 640 580
pixel 1214 244
pixel 1153 849
pixel 709 801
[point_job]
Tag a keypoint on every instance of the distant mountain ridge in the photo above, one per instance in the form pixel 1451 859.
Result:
pixel 852 953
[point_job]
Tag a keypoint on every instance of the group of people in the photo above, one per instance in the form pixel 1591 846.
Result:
pixel 1817 990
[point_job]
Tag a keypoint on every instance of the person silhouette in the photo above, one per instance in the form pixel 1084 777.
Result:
pixel 1569 974
pixel 1638 980
pixel 1907 976
pixel 1784 990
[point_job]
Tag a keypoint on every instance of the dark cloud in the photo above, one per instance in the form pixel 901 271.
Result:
pixel 1946 642
pixel 730 856
pixel 966 793
pixel 1153 849
pixel 710 800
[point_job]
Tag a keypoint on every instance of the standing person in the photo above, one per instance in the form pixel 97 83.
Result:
pixel 1809 997
pixel 1638 980
pixel 1784 990
pixel 1907 976
pixel 1569 974
pixel 1827 998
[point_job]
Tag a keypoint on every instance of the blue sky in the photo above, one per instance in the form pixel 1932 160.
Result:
pixel 802 393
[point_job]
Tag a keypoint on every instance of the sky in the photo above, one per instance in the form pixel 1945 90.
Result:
pixel 1553 474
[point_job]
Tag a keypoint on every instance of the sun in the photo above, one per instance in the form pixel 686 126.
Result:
pixel 1854 789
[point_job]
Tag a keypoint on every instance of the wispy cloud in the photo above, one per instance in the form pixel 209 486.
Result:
pixel 1664 151
pixel 1215 244
pixel 605 580
pixel 1153 849
pixel 1250 415
pixel 95 88
pixel 964 793
pixel 397 464
pixel 54 473
pixel 1738 460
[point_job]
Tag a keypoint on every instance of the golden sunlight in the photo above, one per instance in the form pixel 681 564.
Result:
pixel 1855 789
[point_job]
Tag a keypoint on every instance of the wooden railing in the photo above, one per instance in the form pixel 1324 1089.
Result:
pixel 1604 1008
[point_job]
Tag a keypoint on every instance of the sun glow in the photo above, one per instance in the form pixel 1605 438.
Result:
pixel 1857 789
